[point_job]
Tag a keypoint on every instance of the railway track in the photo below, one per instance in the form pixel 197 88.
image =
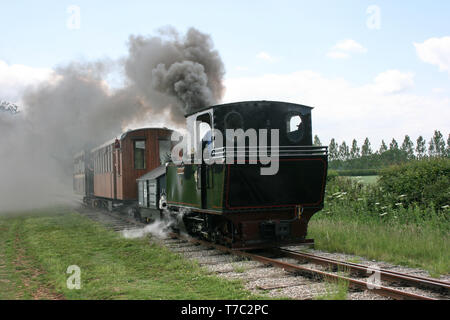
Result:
pixel 391 284
pixel 385 275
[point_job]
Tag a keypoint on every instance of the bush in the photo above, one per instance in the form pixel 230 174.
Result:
pixel 423 182
pixel 358 172
pixel 331 175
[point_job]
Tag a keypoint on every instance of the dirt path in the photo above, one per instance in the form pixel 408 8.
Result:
pixel 19 273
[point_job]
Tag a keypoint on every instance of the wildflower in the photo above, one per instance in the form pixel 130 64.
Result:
pixel 382 208
pixel 445 207
pixel 383 214
pixel 402 196
pixel 398 204
pixel 377 203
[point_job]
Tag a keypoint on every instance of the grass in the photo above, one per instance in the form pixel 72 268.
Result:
pixel 36 250
pixel 334 290
pixel 354 221
pixel 404 245
pixel 366 179
pixel 360 217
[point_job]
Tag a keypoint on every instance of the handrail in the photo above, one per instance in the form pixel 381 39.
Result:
pixel 281 151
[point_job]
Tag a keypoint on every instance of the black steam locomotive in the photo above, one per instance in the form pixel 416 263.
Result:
pixel 248 176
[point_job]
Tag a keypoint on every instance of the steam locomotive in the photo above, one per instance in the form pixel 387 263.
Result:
pixel 214 186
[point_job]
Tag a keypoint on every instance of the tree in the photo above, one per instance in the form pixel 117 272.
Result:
pixel 354 151
pixel 317 141
pixel 393 145
pixel 447 150
pixel 437 145
pixel 383 147
pixel 344 153
pixel 366 149
pixel 408 147
pixel 420 147
pixel 333 150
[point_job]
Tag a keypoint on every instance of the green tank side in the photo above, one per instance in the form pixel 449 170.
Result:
pixel 183 186
pixel 215 187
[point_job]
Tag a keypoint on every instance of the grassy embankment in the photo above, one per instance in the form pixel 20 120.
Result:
pixel 364 218
pixel 36 250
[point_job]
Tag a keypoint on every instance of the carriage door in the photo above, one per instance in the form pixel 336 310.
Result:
pixel 204 142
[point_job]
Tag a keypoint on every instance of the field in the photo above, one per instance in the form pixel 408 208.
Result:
pixel 409 245
pixel 366 179
pixel 362 217
pixel 37 248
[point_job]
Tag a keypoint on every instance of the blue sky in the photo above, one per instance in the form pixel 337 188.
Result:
pixel 293 36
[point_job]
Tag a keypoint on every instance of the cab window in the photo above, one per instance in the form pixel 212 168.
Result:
pixel 294 127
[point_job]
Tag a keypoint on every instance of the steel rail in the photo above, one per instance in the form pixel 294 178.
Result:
pixel 353 283
pixel 385 275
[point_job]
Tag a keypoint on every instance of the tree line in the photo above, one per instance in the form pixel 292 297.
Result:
pixel 344 156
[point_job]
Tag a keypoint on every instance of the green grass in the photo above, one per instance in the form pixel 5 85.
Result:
pixel 362 218
pixel 334 290
pixel 404 244
pixel 36 250
pixel 366 179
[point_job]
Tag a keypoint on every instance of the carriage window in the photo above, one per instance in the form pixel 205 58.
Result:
pixel 294 127
pixel 139 154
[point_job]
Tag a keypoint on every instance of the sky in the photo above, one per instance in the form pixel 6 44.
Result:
pixel 377 69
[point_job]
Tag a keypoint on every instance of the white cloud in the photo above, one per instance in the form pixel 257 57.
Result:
pixel 435 51
pixel 343 49
pixel 16 78
pixel 381 109
pixel 265 56
pixel 350 45
pixel 438 90
pixel 393 81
